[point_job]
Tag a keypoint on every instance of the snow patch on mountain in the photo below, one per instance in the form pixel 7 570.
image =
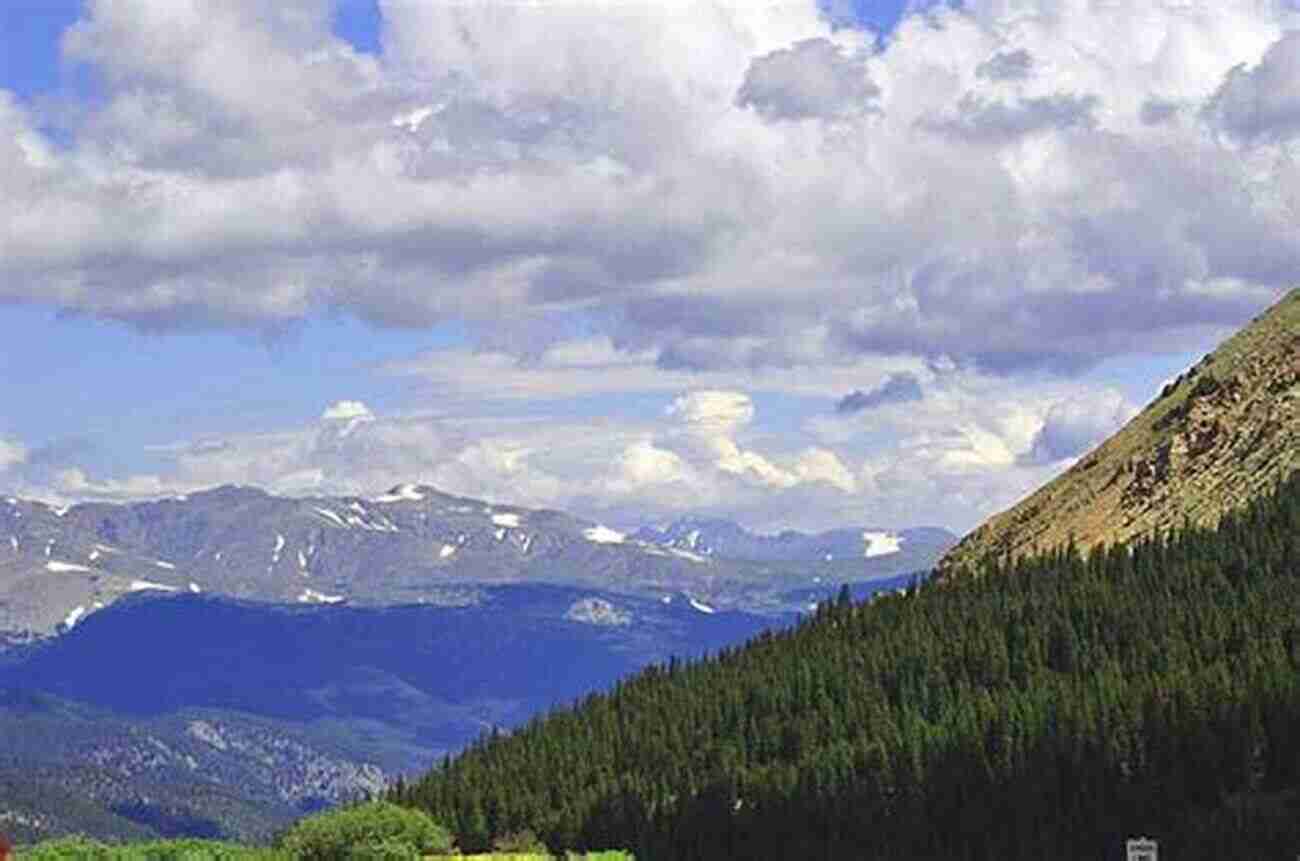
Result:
pixel 331 517
pixel 64 567
pixel 401 493
pixel 506 519
pixel 447 551
pixel 311 596
pixel 603 535
pixel 72 617
pixel 880 543
pixel 149 585
pixel 702 607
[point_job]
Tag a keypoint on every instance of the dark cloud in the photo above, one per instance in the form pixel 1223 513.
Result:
pixel 1261 102
pixel 1007 66
pixel 812 79
pixel 978 119
pixel 896 389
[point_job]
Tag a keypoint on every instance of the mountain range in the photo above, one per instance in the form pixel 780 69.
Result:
pixel 411 545
pixel 220 663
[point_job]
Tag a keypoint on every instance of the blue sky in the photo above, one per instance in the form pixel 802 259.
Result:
pixel 625 263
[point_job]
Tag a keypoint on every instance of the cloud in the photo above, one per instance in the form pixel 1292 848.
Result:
pixel 1155 111
pixel 972 445
pixel 713 412
pixel 1263 101
pixel 723 185
pixel 1014 65
pixel 979 120
pixel 1073 427
pixel 896 389
pixel 76 485
pixel 11 454
pixel 347 411
pixel 812 79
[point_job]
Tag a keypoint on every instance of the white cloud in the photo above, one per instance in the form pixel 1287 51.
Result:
pixel 1072 427
pixel 76 485
pixel 812 79
pixel 972 445
pixel 713 413
pixel 11 453
pixel 347 411
pixel 1262 101
pixel 1034 184
pixel 724 198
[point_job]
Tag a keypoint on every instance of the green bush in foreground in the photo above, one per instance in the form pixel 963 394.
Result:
pixel 377 830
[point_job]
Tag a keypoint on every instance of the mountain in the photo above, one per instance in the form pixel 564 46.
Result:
pixel 208 716
pixel 410 545
pixel 1216 437
pixel 724 539
pixel 69 767
pixel 1050 708
pixel 221 662
pixel 1053 704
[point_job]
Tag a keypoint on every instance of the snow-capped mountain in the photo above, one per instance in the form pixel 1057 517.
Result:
pixel 409 545
pixel 723 539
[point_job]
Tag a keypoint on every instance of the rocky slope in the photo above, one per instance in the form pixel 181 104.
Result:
pixel 1214 439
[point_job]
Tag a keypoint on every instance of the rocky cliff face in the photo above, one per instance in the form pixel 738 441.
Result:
pixel 1216 437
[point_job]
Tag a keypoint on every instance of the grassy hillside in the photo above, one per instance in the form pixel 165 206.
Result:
pixel 1045 709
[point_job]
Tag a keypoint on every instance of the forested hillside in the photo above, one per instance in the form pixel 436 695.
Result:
pixel 1045 710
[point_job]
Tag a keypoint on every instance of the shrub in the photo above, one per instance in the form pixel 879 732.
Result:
pixel 521 843
pixel 386 850
pixel 65 848
pixel 378 828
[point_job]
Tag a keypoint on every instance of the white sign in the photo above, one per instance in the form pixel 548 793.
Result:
pixel 1143 849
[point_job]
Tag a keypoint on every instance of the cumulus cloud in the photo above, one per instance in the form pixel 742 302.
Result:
pixel 973 445
pixel 721 197
pixel 347 411
pixel 723 184
pixel 812 79
pixel 896 389
pixel 1007 66
pixel 11 453
pixel 1261 101
pixel 1071 428
pixel 979 120
pixel 713 412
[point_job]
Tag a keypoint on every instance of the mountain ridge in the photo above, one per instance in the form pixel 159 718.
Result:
pixel 412 544
pixel 1219 435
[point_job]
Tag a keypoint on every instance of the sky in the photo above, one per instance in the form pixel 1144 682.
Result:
pixel 803 264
